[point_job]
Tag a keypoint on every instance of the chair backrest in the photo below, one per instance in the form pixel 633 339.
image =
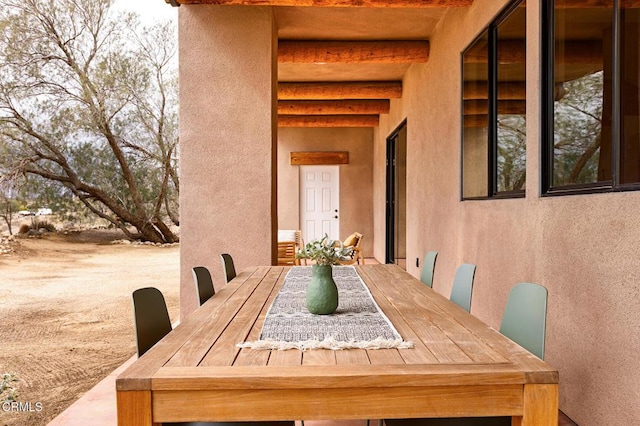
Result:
pixel 286 253
pixel 299 246
pixel 463 286
pixel 525 316
pixel 204 283
pixel 359 254
pixel 151 318
pixel 287 234
pixel 228 267
pixel 299 240
pixel 428 265
pixel 289 243
pixel 353 240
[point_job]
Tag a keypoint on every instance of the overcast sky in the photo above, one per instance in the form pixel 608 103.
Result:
pixel 149 10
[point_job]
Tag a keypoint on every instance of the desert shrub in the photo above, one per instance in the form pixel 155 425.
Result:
pixel 43 224
pixel 36 225
pixel 8 390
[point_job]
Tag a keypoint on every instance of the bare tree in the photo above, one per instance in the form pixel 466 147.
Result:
pixel 578 130
pixel 7 209
pixel 511 150
pixel 88 101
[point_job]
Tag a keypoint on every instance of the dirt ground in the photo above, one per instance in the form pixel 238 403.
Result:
pixel 66 319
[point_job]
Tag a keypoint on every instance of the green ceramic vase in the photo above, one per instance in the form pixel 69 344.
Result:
pixel 322 293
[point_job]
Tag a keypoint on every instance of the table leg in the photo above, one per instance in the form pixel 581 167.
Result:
pixel 540 406
pixel 134 408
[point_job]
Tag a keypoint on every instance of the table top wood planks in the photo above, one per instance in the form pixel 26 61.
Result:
pixel 458 367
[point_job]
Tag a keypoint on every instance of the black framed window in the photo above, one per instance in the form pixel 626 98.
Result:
pixel 591 137
pixel 494 109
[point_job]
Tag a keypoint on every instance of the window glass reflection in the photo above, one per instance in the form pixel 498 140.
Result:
pixel 475 119
pixel 630 95
pixel 511 90
pixel 582 136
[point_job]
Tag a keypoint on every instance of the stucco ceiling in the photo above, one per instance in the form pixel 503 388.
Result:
pixel 355 50
pixel 336 56
pixel 356 24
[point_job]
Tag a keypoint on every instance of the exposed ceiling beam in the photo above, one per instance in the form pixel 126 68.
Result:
pixel 595 4
pixel 387 4
pixel 513 51
pixel 340 90
pixel 480 107
pixel 629 4
pixel 350 52
pixel 475 121
pixel 506 91
pixel 476 111
pixel 328 120
pixel 335 3
pixel 355 106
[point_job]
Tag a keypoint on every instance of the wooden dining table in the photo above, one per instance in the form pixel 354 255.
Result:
pixel 458 367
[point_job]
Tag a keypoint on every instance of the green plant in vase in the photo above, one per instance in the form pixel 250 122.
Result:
pixel 322 292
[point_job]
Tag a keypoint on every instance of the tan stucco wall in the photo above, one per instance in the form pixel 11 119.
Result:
pixel 227 140
pixel 583 248
pixel 356 178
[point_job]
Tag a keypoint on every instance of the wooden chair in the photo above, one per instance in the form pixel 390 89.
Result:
pixel 204 283
pixel 286 250
pixel 287 253
pixel 524 322
pixel 228 267
pixel 355 241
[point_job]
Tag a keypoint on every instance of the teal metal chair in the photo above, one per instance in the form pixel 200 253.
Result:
pixel 463 286
pixel 525 317
pixel 523 321
pixel 228 267
pixel 428 265
pixel 204 283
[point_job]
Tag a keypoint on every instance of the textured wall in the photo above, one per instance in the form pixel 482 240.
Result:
pixel 583 248
pixel 356 178
pixel 227 140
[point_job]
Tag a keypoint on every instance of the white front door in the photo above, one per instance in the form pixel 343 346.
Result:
pixel 319 202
